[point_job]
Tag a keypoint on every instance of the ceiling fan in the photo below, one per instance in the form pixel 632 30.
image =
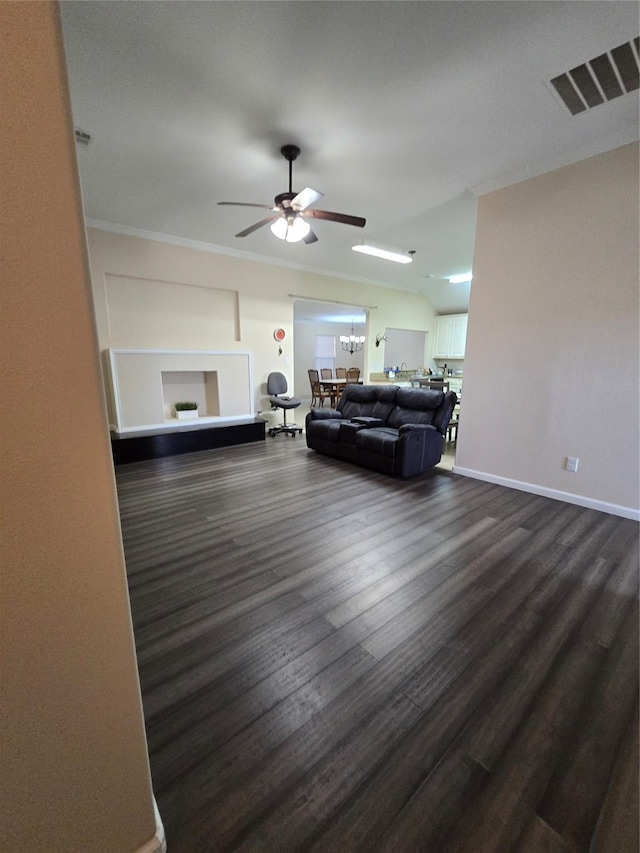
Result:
pixel 291 210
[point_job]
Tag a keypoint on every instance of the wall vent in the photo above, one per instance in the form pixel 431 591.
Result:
pixel 82 137
pixel 601 79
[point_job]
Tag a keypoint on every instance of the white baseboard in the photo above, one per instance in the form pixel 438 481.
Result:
pixel 157 844
pixel 556 494
pixel 154 845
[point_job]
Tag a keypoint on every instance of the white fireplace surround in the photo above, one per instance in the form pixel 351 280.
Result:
pixel 145 385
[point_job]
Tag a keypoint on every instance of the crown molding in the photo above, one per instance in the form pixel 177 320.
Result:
pixel 212 248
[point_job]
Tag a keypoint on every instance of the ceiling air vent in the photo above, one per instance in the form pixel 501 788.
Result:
pixel 82 137
pixel 601 79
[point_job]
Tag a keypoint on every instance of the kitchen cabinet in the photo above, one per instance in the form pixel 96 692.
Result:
pixel 451 336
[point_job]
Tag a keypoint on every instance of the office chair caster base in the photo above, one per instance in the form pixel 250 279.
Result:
pixel 288 429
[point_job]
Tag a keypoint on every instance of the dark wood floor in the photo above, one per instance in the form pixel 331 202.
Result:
pixel 333 660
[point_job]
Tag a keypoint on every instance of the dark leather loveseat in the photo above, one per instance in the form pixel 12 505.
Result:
pixel 396 431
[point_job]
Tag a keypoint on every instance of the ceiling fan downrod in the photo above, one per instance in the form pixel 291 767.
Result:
pixel 290 153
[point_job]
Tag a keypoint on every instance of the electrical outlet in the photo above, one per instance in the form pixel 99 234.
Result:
pixel 572 463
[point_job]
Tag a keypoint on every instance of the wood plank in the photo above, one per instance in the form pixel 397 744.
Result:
pixel 500 814
pixel 289 696
pixel 539 837
pixel 304 808
pixel 362 819
pixel 578 788
pixel 617 827
pixel 435 808
pixel 419 822
pixel 352 662
pixel 492 727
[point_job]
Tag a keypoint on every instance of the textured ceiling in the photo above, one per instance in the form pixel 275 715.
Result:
pixel 404 111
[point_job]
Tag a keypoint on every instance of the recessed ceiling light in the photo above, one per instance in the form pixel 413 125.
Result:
pixel 462 278
pixel 398 257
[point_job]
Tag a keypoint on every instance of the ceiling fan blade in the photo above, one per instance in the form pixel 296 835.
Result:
pixel 257 225
pixel 336 217
pixel 247 204
pixel 306 197
pixel 310 238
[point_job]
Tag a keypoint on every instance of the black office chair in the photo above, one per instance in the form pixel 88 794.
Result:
pixel 277 389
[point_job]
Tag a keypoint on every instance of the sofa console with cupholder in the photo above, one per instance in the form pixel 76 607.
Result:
pixel 392 430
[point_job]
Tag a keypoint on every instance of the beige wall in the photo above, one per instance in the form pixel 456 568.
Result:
pixel 551 367
pixel 177 275
pixel 73 765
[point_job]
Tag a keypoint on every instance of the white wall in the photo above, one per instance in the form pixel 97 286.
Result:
pixel 406 347
pixel 551 367
pixel 74 768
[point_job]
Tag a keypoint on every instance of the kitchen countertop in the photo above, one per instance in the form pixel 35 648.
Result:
pixel 405 376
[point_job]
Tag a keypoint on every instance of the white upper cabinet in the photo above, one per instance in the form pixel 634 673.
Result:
pixel 458 336
pixel 443 337
pixel 451 336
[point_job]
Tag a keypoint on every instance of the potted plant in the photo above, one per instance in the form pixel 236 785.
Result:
pixel 186 410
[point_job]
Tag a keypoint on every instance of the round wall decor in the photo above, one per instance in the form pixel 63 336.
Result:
pixel 279 334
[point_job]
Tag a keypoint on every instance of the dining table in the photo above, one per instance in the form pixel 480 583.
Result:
pixel 336 387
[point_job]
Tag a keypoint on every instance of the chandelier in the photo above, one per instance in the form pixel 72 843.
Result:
pixel 352 343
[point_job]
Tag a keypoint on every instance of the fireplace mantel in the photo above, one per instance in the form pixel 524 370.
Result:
pixel 145 385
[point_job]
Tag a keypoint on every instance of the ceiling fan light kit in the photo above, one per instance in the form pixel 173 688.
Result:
pixel 292 231
pixel 385 254
pixel 288 221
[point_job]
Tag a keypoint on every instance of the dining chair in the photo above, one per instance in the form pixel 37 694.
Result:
pixel 451 432
pixel 341 372
pixel 435 384
pixel 318 394
pixel 314 378
pixel 353 374
pixel 326 373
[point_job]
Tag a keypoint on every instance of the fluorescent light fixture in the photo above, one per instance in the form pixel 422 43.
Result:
pixel 462 278
pixel 382 253
pixel 291 232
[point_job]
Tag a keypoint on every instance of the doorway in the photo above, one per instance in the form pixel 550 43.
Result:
pixel 317 327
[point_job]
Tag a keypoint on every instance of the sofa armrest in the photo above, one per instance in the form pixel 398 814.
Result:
pixel 364 421
pixel 443 415
pixel 419 448
pixel 405 428
pixel 324 414
pixel 348 431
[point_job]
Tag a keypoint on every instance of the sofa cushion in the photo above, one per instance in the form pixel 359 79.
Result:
pixel 327 429
pixel 372 401
pixel 415 406
pixel 381 440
